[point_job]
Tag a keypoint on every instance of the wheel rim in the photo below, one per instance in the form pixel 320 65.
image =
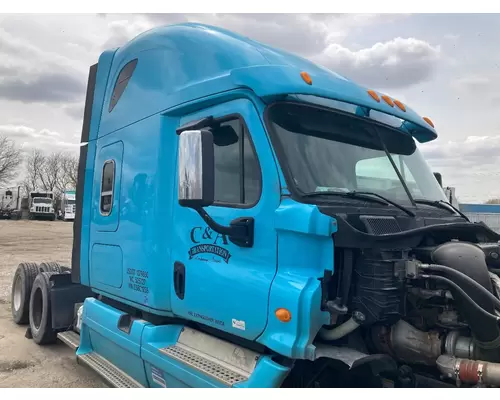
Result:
pixel 37 308
pixel 18 284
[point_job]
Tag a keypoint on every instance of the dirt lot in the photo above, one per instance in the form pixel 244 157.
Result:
pixel 22 362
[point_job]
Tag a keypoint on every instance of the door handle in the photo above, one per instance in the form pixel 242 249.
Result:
pixel 179 279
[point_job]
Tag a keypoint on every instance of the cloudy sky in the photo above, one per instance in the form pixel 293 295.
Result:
pixel 445 66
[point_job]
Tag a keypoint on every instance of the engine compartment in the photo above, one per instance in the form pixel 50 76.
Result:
pixel 427 297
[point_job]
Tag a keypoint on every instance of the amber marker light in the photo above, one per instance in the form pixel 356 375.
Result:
pixel 374 95
pixel 283 315
pixel 400 105
pixel 306 77
pixel 429 121
pixel 388 100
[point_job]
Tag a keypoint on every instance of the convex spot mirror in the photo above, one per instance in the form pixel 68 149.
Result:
pixel 196 168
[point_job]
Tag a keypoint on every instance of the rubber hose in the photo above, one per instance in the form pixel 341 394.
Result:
pixel 463 294
pixel 339 331
pixel 461 275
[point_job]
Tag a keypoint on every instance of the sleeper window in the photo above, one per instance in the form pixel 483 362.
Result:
pixel 108 177
pixel 237 172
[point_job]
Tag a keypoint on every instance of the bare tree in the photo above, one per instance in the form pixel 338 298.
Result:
pixel 69 165
pixel 35 164
pixel 51 176
pixel 55 172
pixel 10 159
pixel 493 201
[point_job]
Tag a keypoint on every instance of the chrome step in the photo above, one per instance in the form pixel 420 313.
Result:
pixel 69 338
pixel 113 375
pixel 215 369
pixel 214 357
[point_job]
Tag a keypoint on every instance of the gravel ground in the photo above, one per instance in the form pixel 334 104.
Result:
pixel 22 362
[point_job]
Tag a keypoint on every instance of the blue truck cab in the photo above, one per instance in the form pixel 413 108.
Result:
pixel 245 218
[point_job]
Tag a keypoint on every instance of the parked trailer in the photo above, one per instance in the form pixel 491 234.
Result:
pixel 232 230
pixel 68 205
pixel 10 203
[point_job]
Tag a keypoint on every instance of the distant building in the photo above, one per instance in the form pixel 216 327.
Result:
pixel 487 213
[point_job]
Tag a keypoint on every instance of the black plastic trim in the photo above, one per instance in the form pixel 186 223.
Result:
pixel 348 236
pixel 125 323
pixel 179 279
pixel 80 185
pixel 64 294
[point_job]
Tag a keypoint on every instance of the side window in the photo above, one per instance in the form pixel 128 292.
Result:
pixel 237 171
pixel 121 83
pixel 107 186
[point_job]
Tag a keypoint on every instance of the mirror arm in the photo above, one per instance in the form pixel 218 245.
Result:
pixel 240 232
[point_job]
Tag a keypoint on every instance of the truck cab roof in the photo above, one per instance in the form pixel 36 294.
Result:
pixel 178 66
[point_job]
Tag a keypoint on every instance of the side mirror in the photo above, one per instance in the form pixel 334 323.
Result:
pixel 439 178
pixel 196 169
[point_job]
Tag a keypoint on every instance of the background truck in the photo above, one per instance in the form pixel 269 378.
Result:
pixel 68 205
pixel 41 205
pixel 10 203
pixel 245 218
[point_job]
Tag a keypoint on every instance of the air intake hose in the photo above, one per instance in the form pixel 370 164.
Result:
pixel 470 260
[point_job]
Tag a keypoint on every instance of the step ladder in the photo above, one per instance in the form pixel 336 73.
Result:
pixel 111 374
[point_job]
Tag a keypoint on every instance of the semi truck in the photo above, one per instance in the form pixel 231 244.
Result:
pixel 10 203
pixel 247 218
pixel 41 205
pixel 68 205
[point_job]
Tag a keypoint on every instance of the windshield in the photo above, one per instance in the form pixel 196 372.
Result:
pixel 328 151
pixel 70 202
pixel 42 201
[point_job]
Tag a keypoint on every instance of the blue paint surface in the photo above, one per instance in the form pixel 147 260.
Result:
pixel 219 290
pixel 138 353
pixel 184 73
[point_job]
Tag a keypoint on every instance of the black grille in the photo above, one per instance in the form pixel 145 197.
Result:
pixel 378 225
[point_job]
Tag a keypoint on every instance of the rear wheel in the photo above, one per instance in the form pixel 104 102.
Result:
pixel 40 315
pixel 21 290
pixel 51 266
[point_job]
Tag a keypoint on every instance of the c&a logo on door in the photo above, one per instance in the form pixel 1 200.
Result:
pixel 207 241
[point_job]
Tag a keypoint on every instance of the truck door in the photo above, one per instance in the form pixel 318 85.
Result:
pixel 214 281
pixel 106 257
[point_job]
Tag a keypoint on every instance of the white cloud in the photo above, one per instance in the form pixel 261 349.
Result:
pixel 28 74
pixel 396 63
pixel 451 37
pixel 470 165
pixel 27 138
pixel 472 83
pixel 44 61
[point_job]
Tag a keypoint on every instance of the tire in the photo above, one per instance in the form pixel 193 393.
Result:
pixel 50 266
pixel 65 270
pixel 21 291
pixel 40 315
